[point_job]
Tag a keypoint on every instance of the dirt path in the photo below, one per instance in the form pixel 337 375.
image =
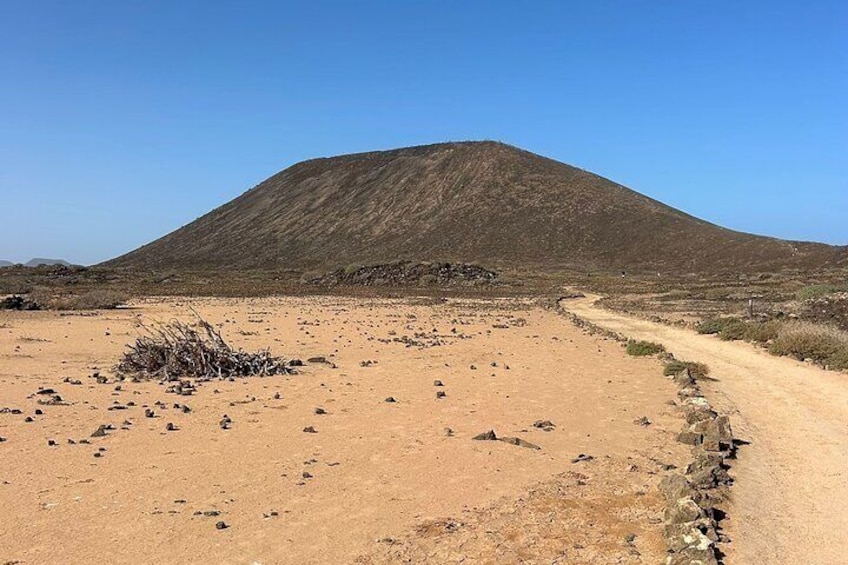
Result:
pixel 789 499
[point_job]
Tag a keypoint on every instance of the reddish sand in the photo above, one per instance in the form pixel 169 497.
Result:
pixel 388 483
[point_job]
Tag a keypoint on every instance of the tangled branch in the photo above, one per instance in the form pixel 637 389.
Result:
pixel 177 350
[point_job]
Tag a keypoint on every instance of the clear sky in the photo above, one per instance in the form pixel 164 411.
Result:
pixel 123 120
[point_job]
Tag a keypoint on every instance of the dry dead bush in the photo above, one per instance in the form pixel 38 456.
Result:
pixel 177 350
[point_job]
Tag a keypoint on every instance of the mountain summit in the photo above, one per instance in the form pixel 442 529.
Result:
pixel 482 202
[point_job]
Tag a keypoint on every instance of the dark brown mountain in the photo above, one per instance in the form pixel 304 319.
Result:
pixel 481 202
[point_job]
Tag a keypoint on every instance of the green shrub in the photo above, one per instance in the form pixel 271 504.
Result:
pixel 733 330
pixel 726 328
pixel 804 340
pixel 643 348
pixel 815 291
pixel 763 332
pixel 696 370
pixel 711 326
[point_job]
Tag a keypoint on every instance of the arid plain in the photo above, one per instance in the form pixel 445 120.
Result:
pixel 391 473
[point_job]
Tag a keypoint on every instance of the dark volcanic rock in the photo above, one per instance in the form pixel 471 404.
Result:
pixel 519 442
pixel 405 273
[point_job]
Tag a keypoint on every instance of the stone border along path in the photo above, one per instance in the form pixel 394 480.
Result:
pixel 691 516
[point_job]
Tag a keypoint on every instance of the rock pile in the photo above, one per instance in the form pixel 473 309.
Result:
pixel 691 517
pixel 404 273
pixel 830 309
pixel 691 527
pixel 18 303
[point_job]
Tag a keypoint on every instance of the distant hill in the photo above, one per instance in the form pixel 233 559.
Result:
pixel 37 262
pixel 6 263
pixel 475 202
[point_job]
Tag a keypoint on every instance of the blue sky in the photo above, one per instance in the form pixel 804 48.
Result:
pixel 121 121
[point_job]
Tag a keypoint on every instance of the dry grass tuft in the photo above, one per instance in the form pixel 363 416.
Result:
pixel 695 370
pixel 825 345
pixel 96 299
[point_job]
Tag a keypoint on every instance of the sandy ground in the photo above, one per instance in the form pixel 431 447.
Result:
pixel 379 482
pixel 791 484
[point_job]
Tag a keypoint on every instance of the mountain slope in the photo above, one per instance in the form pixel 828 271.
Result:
pixel 481 202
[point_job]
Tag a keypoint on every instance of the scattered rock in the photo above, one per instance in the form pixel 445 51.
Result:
pixel 582 457
pixel 486 436
pixel 441 394
pixel 519 442
pixel 221 525
pixel 390 399
pixel 545 425
pixel 310 430
pixel 319 411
